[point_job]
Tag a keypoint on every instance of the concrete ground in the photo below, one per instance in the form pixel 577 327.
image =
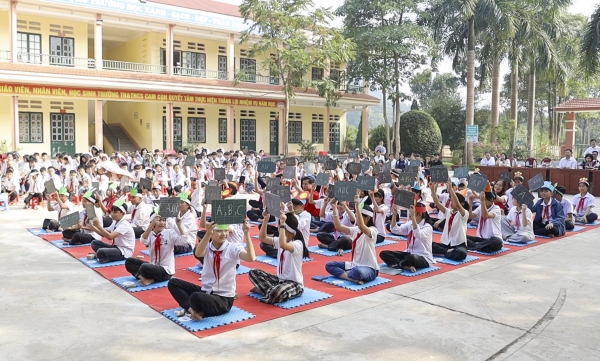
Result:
pixel 540 303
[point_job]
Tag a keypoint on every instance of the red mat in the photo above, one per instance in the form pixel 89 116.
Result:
pixel 160 299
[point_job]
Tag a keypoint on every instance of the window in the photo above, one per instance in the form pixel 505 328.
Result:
pixel 222 67
pixel 317 73
pixel 193 64
pixel 29 48
pixel 317 132
pixel 31 128
pixel 62 51
pixel 295 132
pixel 338 76
pixel 222 130
pixel 196 130
pixel 248 66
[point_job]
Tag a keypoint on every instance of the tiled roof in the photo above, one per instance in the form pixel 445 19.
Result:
pixel 204 5
pixel 579 105
pixel 110 74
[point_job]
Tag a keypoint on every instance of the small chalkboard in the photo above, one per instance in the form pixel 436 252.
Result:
pixel 331 189
pixel 387 166
pixel 212 193
pixel 385 177
pixel 310 168
pixel 290 162
pixel 462 172
pixel 272 182
pixel 331 164
pixel 283 192
pixel 353 154
pixel 522 195
pixel 354 168
pixel 365 165
pixel 90 211
pixel 230 211
pixel 414 163
pixel 322 179
pixel 413 169
pixel 273 204
pixel 213 183
pixel 407 178
pixel 345 191
pixel 169 206
pixel 69 220
pixel 376 169
pixel 50 187
pixel 96 185
pixel 266 167
pixel 536 182
pixel 229 177
pixel 477 182
pixel 146 183
pixel 506 177
pixel 404 198
pixel 439 174
pixel 289 172
pixel 365 182
pixel 219 174
pixel 323 159
pixel 190 160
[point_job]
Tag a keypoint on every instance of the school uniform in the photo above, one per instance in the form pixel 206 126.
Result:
pixel 189 225
pixel 140 217
pixel 568 208
pixel 454 236
pixel 379 220
pixel 418 252
pixel 122 246
pixel 363 266
pixel 85 236
pixel 35 189
pixel 289 281
pixel 513 229
pixel 548 213
pixel 582 203
pixel 446 200
pixel 336 240
pixel 66 233
pixel 489 231
pixel 217 293
pixel 162 259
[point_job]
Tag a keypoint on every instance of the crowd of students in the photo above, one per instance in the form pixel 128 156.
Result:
pixel 124 211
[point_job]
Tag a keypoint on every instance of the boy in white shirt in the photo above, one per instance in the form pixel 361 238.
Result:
pixel 489 230
pixel 518 225
pixel 120 232
pixel 36 188
pixel 454 235
pixel 559 195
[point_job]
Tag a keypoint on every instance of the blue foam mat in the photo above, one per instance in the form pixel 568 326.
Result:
pixel 234 315
pixel 395 236
pixel 588 224
pixel 351 285
pixel 544 237
pixel 471 226
pixel 121 280
pixel 385 243
pixel 242 270
pixel 60 244
pixel 384 269
pixel 95 264
pixel 502 250
pixel 147 253
pixel 577 229
pixel 274 261
pixel 308 296
pixel 516 244
pixel 40 231
pixel 324 251
pixel 445 260
pixel 435 231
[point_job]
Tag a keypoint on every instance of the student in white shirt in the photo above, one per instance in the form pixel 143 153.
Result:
pixel 120 232
pixel 86 232
pixel 189 224
pixel 161 242
pixel 559 195
pixel 444 199
pixel 454 235
pixel 221 257
pixel 518 225
pixel 64 207
pixel 380 211
pixel 11 184
pixel 584 202
pixel 489 232
pixel 291 250
pixel 336 240
pixel 35 189
pixel 140 213
pixel 363 266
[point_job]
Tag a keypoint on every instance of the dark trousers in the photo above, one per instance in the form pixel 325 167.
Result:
pixel 138 267
pixel 182 249
pixel 269 250
pixel 31 195
pixel 456 253
pixel 569 226
pixel 271 230
pixel 440 227
pixel 591 218
pixel 12 196
pixel 398 259
pixel 105 251
pixel 539 229
pixel 69 233
pixel 138 232
pixel 189 295
pixel 326 227
pixel 106 221
pixel 484 244
pixel 81 238
pixel 343 242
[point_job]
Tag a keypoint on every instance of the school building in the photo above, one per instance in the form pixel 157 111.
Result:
pixel 127 74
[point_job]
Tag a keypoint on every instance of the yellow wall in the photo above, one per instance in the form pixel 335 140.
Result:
pixel 79 32
pixel 4 31
pixel 123 113
pixel 137 50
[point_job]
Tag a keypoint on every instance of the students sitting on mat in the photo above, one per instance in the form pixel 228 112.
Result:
pixel 120 232
pixel 549 218
pixel 235 232
pixel 363 266
pixel 64 207
pixel 559 195
pixel 584 202
pixel 221 257
pixel 291 248
pixel 325 223
pixel 86 233
pixel 518 225
pixel 140 213
pixel 380 211
pixel 337 240
pixel 107 203
pixel 454 234
pixel 517 181
pixel 489 230
pixel 161 242
pixel 445 199
pixel 304 218
pixel 189 224
pixel 419 234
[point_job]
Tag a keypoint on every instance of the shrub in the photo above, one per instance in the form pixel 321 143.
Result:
pixel 419 133
pixel 307 150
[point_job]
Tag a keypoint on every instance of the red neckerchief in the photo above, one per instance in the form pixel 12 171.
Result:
pixel 410 239
pixel 71 188
pixel 547 212
pixel 157 248
pixel 354 243
pixel 217 265
pixel 450 221
pixel 109 202
pixel 518 220
pixel 133 213
pixel 448 201
pixel 580 205
pixel 481 224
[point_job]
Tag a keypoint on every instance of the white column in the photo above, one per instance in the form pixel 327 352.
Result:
pixel 14 113
pixel 169 54
pixel 170 127
pixel 98 123
pixel 98 44
pixel 231 57
pixel 231 127
pixel 12 24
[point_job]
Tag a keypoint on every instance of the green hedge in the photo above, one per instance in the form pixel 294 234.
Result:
pixel 419 133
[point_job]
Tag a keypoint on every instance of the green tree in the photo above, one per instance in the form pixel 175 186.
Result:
pixel 590 45
pixel 422 134
pixel 376 135
pixel 351 137
pixel 278 36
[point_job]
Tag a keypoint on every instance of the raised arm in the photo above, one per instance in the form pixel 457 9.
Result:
pixel 336 218
pixel 262 235
pixel 435 197
pixel 360 222
pixel 201 247
pixel 248 254
pixel 283 243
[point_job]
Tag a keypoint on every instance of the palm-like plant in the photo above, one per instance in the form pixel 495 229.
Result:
pixel 590 45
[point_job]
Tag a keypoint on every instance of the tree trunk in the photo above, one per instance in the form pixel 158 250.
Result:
pixel 495 98
pixel 385 119
pixel 397 110
pixel 514 97
pixel 470 88
pixel 550 115
pixel 531 107
pixel 286 112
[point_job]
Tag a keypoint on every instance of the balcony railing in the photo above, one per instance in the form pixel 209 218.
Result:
pixel 4 55
pixel 247 76
pixel 45 59
pixel 133 67
pixel 200 73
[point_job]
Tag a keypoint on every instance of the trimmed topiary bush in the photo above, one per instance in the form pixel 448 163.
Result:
pixel 419 133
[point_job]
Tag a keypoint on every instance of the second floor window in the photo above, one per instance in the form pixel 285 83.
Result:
pixel 62 50
pixel 222 67
pixel 248 66
pixel 193 60
pixel 317 73
pixel 29 48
